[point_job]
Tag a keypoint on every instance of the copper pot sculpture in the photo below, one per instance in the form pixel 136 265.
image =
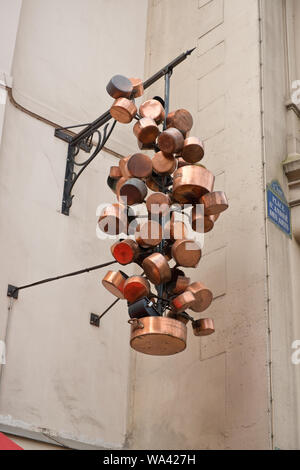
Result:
pixel 191 182
pixel 139 165
pixel 214 203
pixel 203 327
pixel 135 288
pixel 181 119
pixel 146 130
pixel 170 141
pixel 158 336
pixel 119 86
pixel 152 109
pixel 133 191
pixel 163 163
pixel 193 150
pixel 157 269
pixel 123 110
pixel 114 282
pixel 202 223
pixel 186 253
pixel 203 296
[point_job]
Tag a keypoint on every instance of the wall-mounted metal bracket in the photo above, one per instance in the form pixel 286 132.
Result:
pixel 12 291
pixel 95 320
pixel 84 139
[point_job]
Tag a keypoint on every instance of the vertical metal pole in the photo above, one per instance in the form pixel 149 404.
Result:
pixel 167 95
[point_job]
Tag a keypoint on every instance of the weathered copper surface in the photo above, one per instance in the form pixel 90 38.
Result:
pixel 115 172
pixel 182 301
pixel 138 89
pixel 170 141
pixel 135 288
pixel 158 336
pixel 191 182
pixel 133 191
pixel 158 203
pixel 203 296
pixel 193 150
pixel 186 253
pixel 119 86
pixel 123 110
pixel 123 167
pixel 203 327
pixel 157 269
pixel 181 119
pixel 163 163
pixel 152 109
pixel 139 165
pixel 114 282
pixel 201 223
pixel 214 203
pixel 149 233
pixel 146 130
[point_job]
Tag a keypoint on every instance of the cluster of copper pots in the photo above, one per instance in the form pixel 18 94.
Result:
pixel 159 243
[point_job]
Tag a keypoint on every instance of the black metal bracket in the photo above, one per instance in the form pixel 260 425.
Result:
pixel 95 320
pixel 12 291
pixel 84 139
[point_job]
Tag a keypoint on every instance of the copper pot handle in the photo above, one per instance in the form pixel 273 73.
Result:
pixel 136 323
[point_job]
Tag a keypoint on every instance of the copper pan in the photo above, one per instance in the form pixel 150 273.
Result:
pixel 193 150
pixel 186 253
pixel 152 109
pixel 149 234
pixel 158 336
pixel 139 165
pixel 123 167
pixel 133 191
pixel 203 296
pixel 138 88
pixel 146 130
pixel 179 281
pixel 191 182
pixel 119 86
pixel 125 251
pixel 182 302
pixel 181 162
pixel 158 204
pixel 143 146
pixel 164 163
pixel 157 269
pixel 214 203
pixel 135 288
pixel 119 185
pixel 181 120
pixel 113 219
pixel 115 172
pixel 170 141
pixel 203 327
pixel 114 282
pixel 123 110
pixel 201 223
pixel 151 184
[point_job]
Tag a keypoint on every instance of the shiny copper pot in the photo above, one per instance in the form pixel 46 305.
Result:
pixel 214 203
pixel 115 172
pixel 149 234
pixel 182 302
pixel 163 163
pixel 133 191
pixel 190 183
pixel 125 251
pixel 193 150
pixel 135 288
pixel 119 86
pixel 175 229
pixel 170 141
pixel 181 119
pixel 123 110
pixel 203 327
pixel 158 204
pixel 138 88
pixel 179 281
pixel 146 130
pixel 201 223
pixel 203 296
pixel 157 269
pixel 158 336
pixel 181 162
pixel 123 167
pixel 186 253
pixel 114 282
pixel 113 219
pixel 152 109
pixel 139 165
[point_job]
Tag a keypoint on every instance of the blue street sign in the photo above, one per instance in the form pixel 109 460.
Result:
pixel 279 211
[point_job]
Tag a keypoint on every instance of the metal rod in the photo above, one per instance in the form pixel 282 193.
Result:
pixel 108 308
pixel 105 117
pixel 56 278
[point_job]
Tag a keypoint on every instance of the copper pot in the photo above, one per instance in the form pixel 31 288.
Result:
pixel 138 88
pixel 182 302
pixel 113 219
pixel 123 167
pixel 179 317
pixel 119 185
pixel 135 288
pixel 175 229
pixel 143 146
pixel 114 282
pixel 139 165
pixel 164 163
pixel 152 109
pixel 193 150
pixel 115 172
pixel 157 269
pixel 151 183
pixel 170 141
pixel 179 281
pixel 158 336
pixel 146 130
pixel 181 162
pixel 123 110
pixel 158 203
pixel 214 203
pixel 191 182
pixel 149 234
pixel 119 86
pixel 133 191
pixel 186 253
pixel 201 223
pixel 125 251
pixel 181 120
pixel 203 327
pixel 203 296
